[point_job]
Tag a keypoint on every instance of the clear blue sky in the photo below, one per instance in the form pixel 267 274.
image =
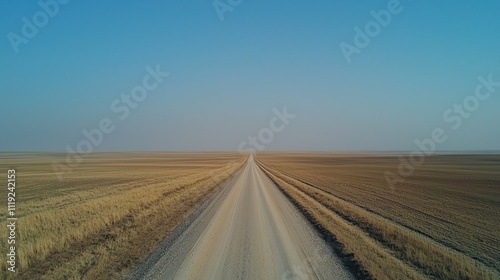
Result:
pixel 227 76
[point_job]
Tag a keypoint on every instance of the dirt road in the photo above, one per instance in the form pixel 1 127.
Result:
pixel 250 230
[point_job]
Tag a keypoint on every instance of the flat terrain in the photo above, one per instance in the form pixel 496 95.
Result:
pixel 250 231
pixel 442 222
pixel 278 216
pixel 109 213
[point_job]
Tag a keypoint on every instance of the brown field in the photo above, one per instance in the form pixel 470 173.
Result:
pixel 441 223
pixel 109 213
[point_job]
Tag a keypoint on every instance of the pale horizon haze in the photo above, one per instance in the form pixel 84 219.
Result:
pixel 227 76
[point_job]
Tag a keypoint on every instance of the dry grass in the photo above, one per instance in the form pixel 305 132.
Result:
pixel 109 213
pixel 406 227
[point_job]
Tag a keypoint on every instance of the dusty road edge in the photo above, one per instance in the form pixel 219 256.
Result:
pixel 348 260
pixel 141 270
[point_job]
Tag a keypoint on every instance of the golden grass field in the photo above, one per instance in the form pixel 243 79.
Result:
pixel 441 223
pixel 109 213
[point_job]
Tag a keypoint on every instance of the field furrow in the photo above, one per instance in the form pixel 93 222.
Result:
pixel 420 252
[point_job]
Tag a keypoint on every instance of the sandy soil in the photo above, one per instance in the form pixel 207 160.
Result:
pixel 250 230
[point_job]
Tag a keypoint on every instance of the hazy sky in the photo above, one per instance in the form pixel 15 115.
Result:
pixel 227 76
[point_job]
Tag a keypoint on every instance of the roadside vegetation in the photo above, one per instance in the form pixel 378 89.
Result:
pixel 110 212
pixel 337 194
